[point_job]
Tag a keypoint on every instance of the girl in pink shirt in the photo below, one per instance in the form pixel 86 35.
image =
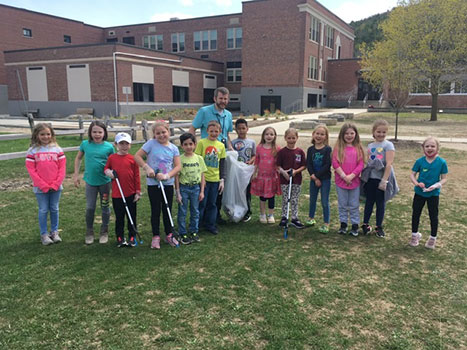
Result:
pixel 46 164
pixel 347 161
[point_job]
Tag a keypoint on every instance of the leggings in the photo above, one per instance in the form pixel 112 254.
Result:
pixel 91 197
pixel 271 201
pixel 417 207
pixel 157 204
pixel 294 194
pixel 374 195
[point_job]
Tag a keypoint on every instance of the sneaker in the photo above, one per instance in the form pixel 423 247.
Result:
pixel 271 219
pixel 89 239
pixel 213 231
pixel 185 239
pixel 283 222
pixel 430 244
pixel 55 237
pixel 156 242
pixel 46 240
pixel 132 241
pixel 380 232
pixel 171 240
pixel 354 230
pixel 366 229
pixel 263 219
pixel 324 229
pixel 104 236
pixel 311 222
pixel 121 242
pixel 297 223
pixel 343 229
pixel 246 218
pixel 415 240
pixel 195 237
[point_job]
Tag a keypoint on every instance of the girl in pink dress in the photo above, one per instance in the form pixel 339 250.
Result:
pixel 265 182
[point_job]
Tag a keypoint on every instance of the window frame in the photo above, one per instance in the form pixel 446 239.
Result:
pixel 313 68
pixel 158 39
pixel 329 41
pixel 315 32
pixel 237 40
pixel 178 42
pixel 27 33
pixel 65 37
pixel 208 36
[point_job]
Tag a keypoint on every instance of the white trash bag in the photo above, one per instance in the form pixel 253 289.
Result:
pixel 238 175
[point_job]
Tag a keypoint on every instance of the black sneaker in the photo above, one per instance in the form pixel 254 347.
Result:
pixel 195 237
pixel 132 241
pixel 297 223
pixel 354 230
pixel 366 229
pixel 213 230
pixel 246 218
pixel 283 222
pixel 380 232
pixel 343 229
pixel 185 239
pixel 121 242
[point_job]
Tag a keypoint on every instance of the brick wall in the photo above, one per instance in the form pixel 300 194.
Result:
pixel 342 79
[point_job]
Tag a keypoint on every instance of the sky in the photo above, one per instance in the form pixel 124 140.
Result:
pixel 108 13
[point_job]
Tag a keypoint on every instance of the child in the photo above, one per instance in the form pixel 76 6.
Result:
pixel 128 175
pixel 347 161
pixel 319 166
pixel 95 151
pixel 189 186
pixel 213 153
pixel 265 181
pixel 162 164
pixel 46 164
pixel 246 149
pixel 432 170
pixel 380 159
pixel 291 158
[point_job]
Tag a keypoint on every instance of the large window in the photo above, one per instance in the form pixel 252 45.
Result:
pixel 180 94
pixel 178 42
pixel 154 42
pixel 143 92
pixel 234 72
pixel 329 36
pixel 313 68
pixel 315 29
pixel 234 38
pixel 205 40
pixel 129 40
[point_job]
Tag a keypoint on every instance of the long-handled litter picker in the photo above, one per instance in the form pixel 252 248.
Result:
pixel 126 207
pixel 168 210
pixel 286 227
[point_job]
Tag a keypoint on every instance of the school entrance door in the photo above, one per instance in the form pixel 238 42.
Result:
pixel 270 103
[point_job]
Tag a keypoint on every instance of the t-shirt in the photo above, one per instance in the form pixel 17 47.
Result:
pixel 192 168
pixel 246 149
pixel 128 174
pixel 318 162
pixel 291 159
pixel 212 152
pixel 377 150
pixel 429 174
pixel 95 158
pixel 161 159
pixel 206 114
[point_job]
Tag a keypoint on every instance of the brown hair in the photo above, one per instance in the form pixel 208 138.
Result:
pixel 340 143
pixel 214 123
pixel 99 124
pixel 291 131
pixel 377 123
pixel 273 143
pixel 326 131
pixel 35 142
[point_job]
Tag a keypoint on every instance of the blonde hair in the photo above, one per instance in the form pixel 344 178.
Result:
pixel 339 148
pixel 432 138
pixel 214 123
pixel 157 124
pixel 326 131
pixel 378 123
pixel 273 143
pixel 290 131
pixel 35 142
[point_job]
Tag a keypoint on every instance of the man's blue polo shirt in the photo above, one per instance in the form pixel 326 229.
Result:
pixel 208 113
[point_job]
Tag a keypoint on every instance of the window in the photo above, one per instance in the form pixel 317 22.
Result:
pixel 67 39
pixel 313 68
pixel 460 87
pixel 234 72
pixel 329 37
pixel 27 32
pixel 180 94
pixel 112 40
pixel 154 42
pixel 143 92
pixel 205 40
pixel 178 42
pixel 129 40
pixel 234 38
pixel 315 29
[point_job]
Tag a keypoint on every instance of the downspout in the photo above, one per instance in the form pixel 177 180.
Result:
pixel 115 83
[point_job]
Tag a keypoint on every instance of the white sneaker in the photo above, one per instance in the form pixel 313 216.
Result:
pixel 271 219
pixel 45 239
pixel 430 244
pixel 54 236
pixel 262 219
pixel 415 240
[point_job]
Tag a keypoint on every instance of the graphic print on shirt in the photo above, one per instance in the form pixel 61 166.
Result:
pixel 298 158
pixel 376 153
pixel 211 157
pixel 239 146
pixel 317 161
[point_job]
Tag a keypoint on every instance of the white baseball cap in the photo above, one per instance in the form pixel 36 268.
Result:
pixel 122 136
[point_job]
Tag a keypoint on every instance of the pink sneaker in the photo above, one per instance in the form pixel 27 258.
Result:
pixel 170 239
pixel 415 240
pixel 156 242
pixel 430 244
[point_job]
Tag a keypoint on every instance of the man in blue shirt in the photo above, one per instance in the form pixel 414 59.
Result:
pixel 216 112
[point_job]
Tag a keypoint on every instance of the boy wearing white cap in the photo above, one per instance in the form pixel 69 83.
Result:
pixel 128 174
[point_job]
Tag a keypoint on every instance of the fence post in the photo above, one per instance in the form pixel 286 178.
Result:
pixel 133 124
pixel 80 126
pixel 31 121
pixel 144 129
pixel 172 130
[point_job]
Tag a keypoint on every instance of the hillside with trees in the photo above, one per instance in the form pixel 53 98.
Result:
pixel 368 31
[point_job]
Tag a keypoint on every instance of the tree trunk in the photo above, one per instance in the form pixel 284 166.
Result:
pixel 434 107
pixel 397 124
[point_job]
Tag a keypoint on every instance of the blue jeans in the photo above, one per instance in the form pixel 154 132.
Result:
pixel 208 208
pixel 325 189
pixel 190 194
pixel 48 202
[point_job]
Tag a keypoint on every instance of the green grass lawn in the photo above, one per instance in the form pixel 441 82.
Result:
pixel 246 288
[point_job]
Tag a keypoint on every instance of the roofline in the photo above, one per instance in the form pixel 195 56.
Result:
pixel 48 15
pixel 324 7
pixel 345 59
